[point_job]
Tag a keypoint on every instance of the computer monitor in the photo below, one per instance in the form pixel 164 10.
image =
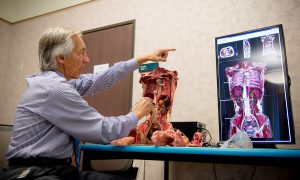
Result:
pixel 254 86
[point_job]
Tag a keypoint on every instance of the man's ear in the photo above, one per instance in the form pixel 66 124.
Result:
pixel 60 59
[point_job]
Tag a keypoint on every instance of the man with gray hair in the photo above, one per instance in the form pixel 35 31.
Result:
pixel 52 111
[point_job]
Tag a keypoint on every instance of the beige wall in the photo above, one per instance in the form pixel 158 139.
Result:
pixel 5 134
pixel 4 52
pixel 190 26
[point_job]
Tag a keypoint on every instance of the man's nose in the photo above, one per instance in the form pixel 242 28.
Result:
pixel 86 60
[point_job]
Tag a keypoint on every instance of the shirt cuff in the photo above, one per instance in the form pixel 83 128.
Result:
pixel 133 63
pixel 133 118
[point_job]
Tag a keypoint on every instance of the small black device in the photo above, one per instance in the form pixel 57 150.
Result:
pixel 189 128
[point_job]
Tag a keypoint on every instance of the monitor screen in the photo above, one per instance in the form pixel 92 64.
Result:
pixel 253 86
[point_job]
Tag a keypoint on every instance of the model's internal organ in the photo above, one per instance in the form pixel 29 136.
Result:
pixel 197 139
pixel 169 138
pixel 246 87
pixel 160 86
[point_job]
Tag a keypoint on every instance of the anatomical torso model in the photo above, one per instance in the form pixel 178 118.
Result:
pixel 160 86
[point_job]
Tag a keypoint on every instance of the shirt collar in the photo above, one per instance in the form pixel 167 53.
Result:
pixel 55 72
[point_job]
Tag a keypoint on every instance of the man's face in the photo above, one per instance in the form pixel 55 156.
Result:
pixel 74 64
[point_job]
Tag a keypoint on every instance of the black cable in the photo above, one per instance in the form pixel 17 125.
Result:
pixel 215 171
pixel 210 138
pixel 253 172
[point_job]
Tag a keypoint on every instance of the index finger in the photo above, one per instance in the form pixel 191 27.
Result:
pixel 168 49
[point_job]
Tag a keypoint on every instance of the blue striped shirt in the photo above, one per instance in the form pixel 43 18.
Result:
pixel 52 111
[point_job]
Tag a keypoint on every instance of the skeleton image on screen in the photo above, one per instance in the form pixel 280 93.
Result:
pixel 246 87
pixel 268 45
pixel 246 48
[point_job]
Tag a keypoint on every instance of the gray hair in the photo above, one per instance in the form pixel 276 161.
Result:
pixel 55 42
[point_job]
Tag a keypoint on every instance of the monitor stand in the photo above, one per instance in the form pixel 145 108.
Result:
pixel 267 146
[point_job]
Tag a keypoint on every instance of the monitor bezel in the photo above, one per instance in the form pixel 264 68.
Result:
pixel 287 81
